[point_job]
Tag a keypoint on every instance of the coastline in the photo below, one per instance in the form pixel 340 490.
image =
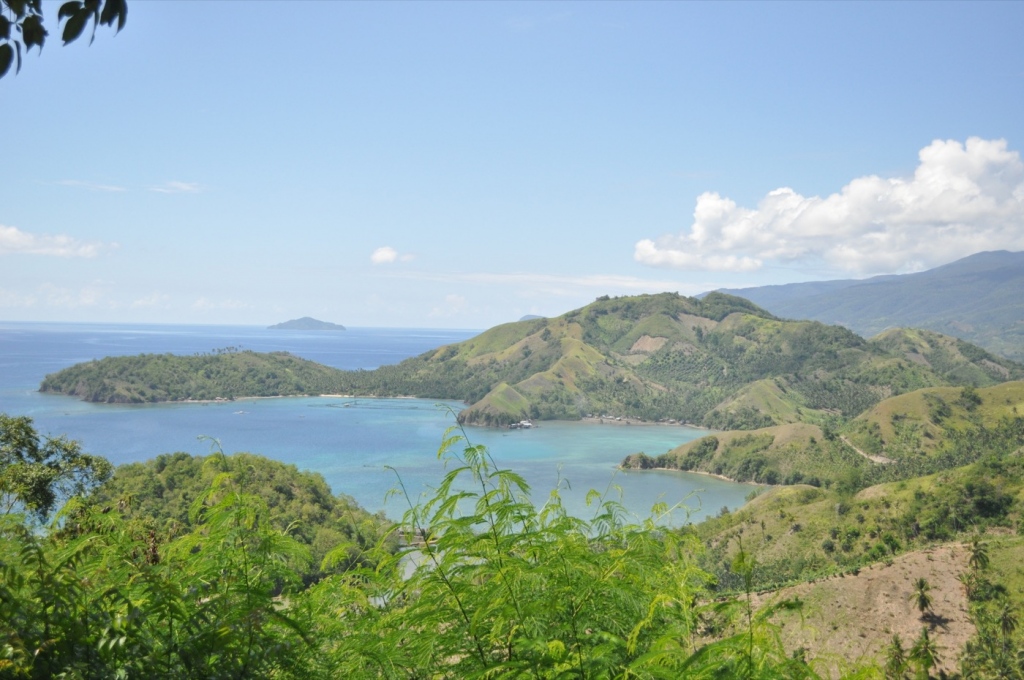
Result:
pixel 597 420
pixel 699 472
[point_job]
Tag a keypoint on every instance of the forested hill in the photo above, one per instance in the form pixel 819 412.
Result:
pixel 721 362
pixel 169 377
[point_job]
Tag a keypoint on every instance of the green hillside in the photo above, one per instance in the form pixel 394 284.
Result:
pixel 913 434
pixel 162 492
pixel 223 374
pixel 720 361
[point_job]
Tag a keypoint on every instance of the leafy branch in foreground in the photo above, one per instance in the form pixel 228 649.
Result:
pixel 21 25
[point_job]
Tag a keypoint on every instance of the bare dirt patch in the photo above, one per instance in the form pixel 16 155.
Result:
pixel 853 618
pixel 646 344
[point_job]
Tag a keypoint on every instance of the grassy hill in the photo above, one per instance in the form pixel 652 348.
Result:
pixel 904 436
pixel 976 299
pixel 720 361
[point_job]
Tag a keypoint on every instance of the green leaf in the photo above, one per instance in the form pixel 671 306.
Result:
pixel 6 57
pixel 32 32
pixel 5 28
pixel 17 6
pixel 74 26
pixel 68 9
pixel 114 9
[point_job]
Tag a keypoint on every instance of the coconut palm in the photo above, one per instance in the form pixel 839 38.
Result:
pixel 921 596
pixel 978 559
pixel 924 654
pixel 895 659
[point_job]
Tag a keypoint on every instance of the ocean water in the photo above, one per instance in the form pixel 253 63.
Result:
pixel 361 446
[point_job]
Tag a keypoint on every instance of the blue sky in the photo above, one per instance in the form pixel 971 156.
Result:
pixel 464 164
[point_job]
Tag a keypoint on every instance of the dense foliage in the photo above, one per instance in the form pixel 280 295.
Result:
pixel 162 491
pixel 223 374
pixel 491 586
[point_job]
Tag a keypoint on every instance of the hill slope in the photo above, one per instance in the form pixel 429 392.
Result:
pixel 720 361
pixel 976 298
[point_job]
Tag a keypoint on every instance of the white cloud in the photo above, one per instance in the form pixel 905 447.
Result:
pixel 175 187
pixel 388 255
pixel 962 199
pixel 91 186
pixel 14 240
pixel 384 255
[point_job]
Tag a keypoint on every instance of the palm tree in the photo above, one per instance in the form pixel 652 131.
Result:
pixel 895 659
pixel 924 654
pixel 978 559
pixel 921 597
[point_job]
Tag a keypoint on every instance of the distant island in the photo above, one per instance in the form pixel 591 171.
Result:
pixel 531 317
pixel 306 323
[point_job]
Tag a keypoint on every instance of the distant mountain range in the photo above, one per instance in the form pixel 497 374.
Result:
pixel 979 298
pixel 307 323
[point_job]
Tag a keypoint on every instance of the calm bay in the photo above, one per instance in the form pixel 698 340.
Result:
pixel 351 442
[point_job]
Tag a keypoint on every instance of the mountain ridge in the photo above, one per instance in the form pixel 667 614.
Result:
pixel 976 298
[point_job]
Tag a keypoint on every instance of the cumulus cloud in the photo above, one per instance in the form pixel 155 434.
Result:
pixel 175 187
pixel 14 240
pixel 961 199
pixel 388 255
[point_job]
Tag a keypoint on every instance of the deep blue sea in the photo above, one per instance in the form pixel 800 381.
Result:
pixel 348 441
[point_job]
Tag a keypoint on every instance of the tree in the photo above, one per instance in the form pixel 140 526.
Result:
pixel 978 559
pixel 924 654
pixel 21 25
pixel 35 475
pixel 895 659
pixel 921 596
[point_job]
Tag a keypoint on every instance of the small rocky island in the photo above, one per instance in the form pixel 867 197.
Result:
pixel 307 323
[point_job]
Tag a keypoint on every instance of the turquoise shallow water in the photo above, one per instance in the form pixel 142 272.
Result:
pixel 348 441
